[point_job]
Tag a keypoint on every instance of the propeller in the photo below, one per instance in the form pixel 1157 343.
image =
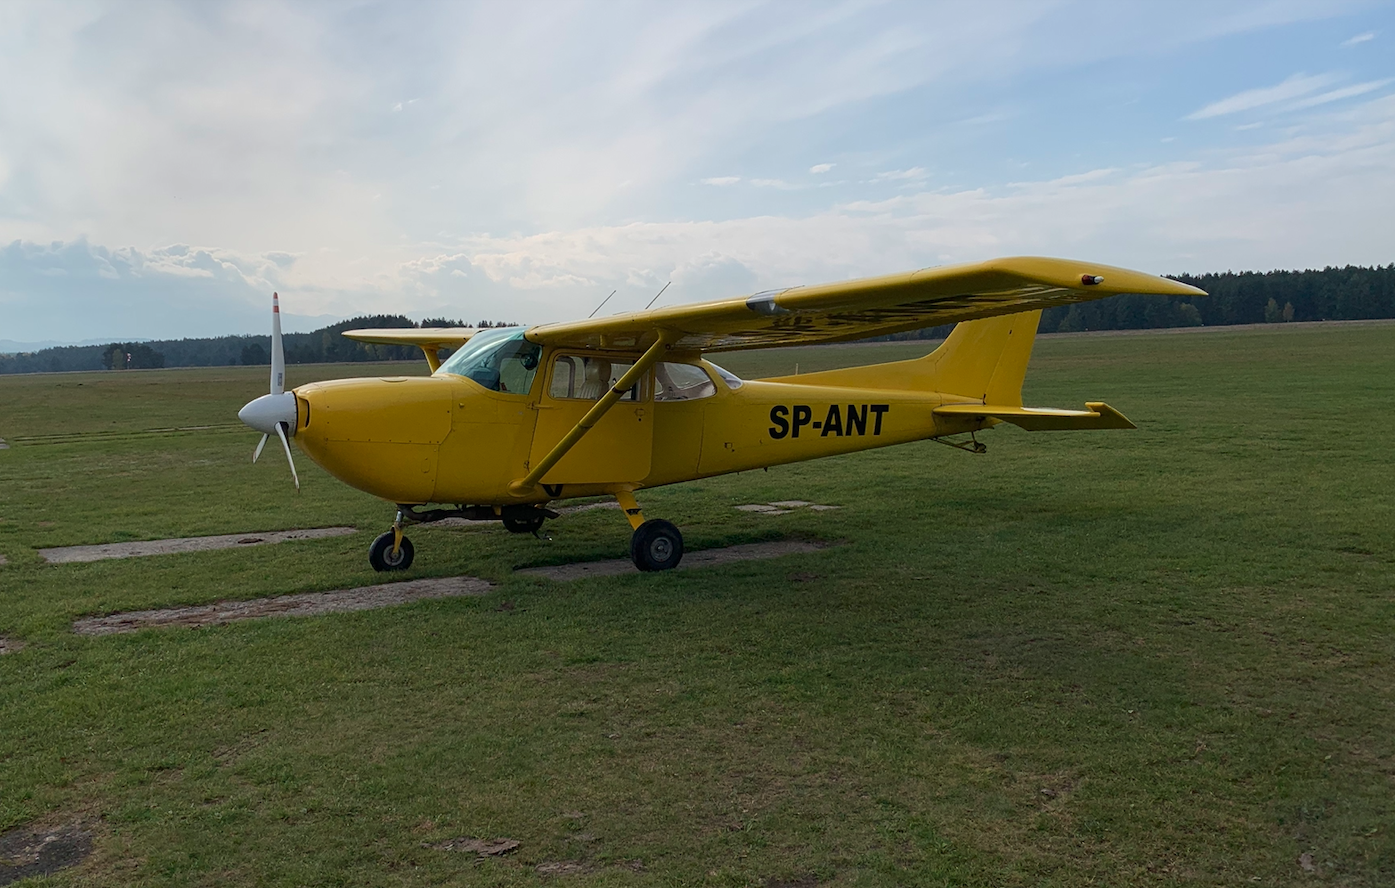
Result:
pixel 274 413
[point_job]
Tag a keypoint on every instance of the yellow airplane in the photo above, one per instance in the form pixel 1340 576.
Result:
pixel 515 419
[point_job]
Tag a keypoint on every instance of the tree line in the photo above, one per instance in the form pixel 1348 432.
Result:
pixel 324 345
pixel 1330 294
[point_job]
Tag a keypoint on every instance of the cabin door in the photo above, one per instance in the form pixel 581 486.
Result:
pixel 616 449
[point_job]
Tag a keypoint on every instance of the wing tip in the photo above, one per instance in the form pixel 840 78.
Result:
pixel 1074 273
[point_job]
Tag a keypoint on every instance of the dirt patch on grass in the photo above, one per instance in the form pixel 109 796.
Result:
pixel 480 847
pixel 302 605
pixel 26 851
pixel 71 554
pixel 691 560
pixel 564 868
pixel 9 645
pixel 582 867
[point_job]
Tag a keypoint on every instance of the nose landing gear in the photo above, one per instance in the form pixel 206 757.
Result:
pixel 391 550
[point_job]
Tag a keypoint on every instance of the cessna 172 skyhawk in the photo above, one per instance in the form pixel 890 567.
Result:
pixel 518 418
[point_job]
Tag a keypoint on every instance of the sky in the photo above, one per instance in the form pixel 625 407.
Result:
pixel 165 166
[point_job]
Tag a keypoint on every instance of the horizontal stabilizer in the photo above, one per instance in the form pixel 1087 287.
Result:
pixel 1096 415
pixel 427 337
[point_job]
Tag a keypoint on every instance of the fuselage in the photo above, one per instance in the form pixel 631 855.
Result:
pixel 452 438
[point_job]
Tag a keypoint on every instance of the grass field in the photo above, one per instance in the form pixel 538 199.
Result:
pixel 1124 658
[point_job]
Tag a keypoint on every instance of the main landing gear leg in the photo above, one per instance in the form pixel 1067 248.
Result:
pixel 656 544
pixel 391 550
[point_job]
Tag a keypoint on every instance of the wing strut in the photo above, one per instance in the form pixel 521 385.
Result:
pixel 525 484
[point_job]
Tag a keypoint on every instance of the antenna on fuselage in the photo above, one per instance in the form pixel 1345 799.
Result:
pixel 657 295
pixel 603 302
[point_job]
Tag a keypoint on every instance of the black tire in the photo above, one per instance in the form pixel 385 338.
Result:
pixel 523 525
pixel 656 545
pixel 380 554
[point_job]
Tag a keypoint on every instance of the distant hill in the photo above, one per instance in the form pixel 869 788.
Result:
pixel 1332 294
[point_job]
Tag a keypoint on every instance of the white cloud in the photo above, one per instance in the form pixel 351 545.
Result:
pixel 914 174
pixel 1295 86
pixel 1335 95
pixel 1360 38
pixel 510 160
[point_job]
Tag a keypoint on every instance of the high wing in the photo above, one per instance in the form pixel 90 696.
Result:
pixel 861 308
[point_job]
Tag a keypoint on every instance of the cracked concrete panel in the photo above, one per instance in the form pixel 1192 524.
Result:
pixel 73 554
pixel 301 605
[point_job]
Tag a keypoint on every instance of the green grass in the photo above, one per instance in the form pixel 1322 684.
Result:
pixel 1135 658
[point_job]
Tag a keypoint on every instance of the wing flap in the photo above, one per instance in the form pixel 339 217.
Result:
pixel 1096 415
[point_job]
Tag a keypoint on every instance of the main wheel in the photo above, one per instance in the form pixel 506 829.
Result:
pixel 523 525
pixel 656 545
pixel 381 557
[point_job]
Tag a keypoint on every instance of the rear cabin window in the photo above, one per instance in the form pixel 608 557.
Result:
pixel 681 382
pixel 588 377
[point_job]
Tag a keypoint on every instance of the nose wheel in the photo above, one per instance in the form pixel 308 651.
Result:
pixel 391 550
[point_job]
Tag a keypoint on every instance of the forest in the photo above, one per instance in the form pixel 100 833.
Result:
pixel 1275 297
pixel 321 346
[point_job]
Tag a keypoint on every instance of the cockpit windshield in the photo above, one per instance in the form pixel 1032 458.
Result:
pixel 500 360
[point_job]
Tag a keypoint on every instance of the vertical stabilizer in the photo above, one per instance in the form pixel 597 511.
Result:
pixel 987 360
pixel 983 360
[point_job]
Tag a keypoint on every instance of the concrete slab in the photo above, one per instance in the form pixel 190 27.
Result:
pixel 73 554
pixel 587 507
pixel 691 560
pixel 783 507
pixel 302 605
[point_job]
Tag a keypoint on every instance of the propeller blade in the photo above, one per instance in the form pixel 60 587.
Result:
pixel 278 355
pixel 281 433
pixel 260 444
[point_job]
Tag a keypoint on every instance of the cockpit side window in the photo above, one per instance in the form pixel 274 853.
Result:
pixel 501 360
pixel 731 379
pixel 681 382
pixel 588 377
